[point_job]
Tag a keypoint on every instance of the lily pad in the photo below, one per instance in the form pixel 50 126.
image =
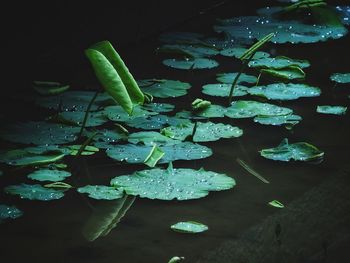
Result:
pixel 341 77
pixel 39 133
pixel 286 73
pixel 213 111
pixel 163 88
pixel 196 63
pixel 158 107
pixel 278 63
pixel 336 110
pixel 249 109
pixel 300 151
pixel 9 212
pixel 116 113
pixel 101 192
pixel 229 77
pixel 288 120
pixel 205 132
pixel 237 52
pixel 169 184
pixel 192 51
pixel 189 227
pixel 276 203
pixel 77 117
pixel 132 153
pixel 282 91
pixel 223 90
pixel 151 138
pixel 49 175
pixel 34 192
pixel 75 101
pixel 155 122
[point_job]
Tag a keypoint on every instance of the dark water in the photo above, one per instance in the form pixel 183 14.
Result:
pixel 314 225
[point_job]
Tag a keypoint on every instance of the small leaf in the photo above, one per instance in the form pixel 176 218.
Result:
pixel 276 204
pixel 176 259
pixel 189 227
pixel 34 192
pixel 286 73
pixel 101 192
pixel 336 110
pixel 154 156
pixel 197 63
pixel 341 77
pixel 49 175
pixel 199 104
pixel 9 212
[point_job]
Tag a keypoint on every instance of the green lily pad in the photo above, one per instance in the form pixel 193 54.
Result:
pixel 39 133
pixel 34 192
pixel 151 138
pixel 300 151
pixel 229 77
pixel 49 175
pixel 196 63
pixel 158 107
pixel 223 90
pixel 189 227
pixel 249 109
pixel 77 117
pixel 286 74
pixel 9 212
pixel 75 101
pixel 176 259
pixel 205 132
pixel 288 120
pixel 131 153
pixel 213 111
pixel 278 63
pixel 336 110
pixel 101 192
pixel 155 122
pixel 154 156
pixel 276 203
pixel 116 113
pixel 49 87
pixel 164 88
pixel 341 77
pixel 282 91
pixel 24 157
pixel 88 149
pixel 192 51
pixel 110 136
pixel 237 52
pixel 168 184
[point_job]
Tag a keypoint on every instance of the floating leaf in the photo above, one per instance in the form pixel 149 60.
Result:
pixel 77 117
pixel 341 77
pixel 176 259
pixel 237 52
pixel 223 90
pixel 288 120
pixel 282 91
pixel 158 107
pixel 200 105
pixel 138 153
pixel 88 149
pixel 150 138
pixel 154 156
pixel 248 109
pixel 58 185
pixel 49 87
pixel 155 122
pixel 213 111
pixel 116 113
pixel 163 88
pixel 189 227
pixel 192 51
pixel 276 204
pixel 229 77
pixel 38 133
pixel 34 192
pixel 181 184
pixel 23 157
pixel 336 110
pixel 278 63
pixel 114 75
pixel 205 132
pixel 74 101
pixel 49 175
pixel 110 136
pixel 9 212
pixel 101 192
pixel 300 151
pixel 286 73
pixel 196 63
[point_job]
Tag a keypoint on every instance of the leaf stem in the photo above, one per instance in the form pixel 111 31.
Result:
pixel 87 114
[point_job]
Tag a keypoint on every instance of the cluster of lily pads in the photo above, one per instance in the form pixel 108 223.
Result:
pixel 87 123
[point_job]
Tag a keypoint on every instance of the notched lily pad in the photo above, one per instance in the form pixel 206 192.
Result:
pixel 189 227
pixel 300 151
pixel 101 192
pixel 168 184
pixel 34 192
pixel 336 110
pixel 196 63
pixel 117 113
pixel 164 88
pixel 49 175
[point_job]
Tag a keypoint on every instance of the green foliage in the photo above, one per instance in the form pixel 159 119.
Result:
pixel 327 109
pixel 49 175
pixel 9 212
pixel 154 156
pixel 190 227
pixel 163 88
pixel 196 63
pixel 34 192
pixel 101 192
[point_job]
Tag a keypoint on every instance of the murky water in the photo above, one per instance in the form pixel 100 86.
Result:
pixel 314 225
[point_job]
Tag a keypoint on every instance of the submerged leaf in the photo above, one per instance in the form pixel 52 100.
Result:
pixel 300 151
pixel 336 110
pixel 191 227
pixel 49 175
pixel 196 63
pixel 164 88
pixel 34 192
pixel 101 192
pixel 181 184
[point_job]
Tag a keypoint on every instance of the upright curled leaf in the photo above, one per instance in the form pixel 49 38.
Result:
pixel 114 75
